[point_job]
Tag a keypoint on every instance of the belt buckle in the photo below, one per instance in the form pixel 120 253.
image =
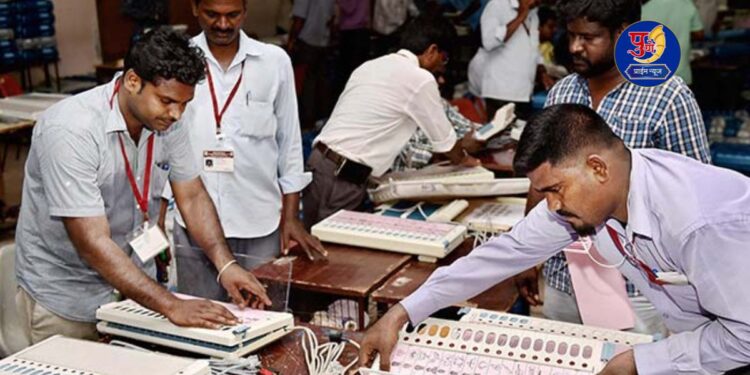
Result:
pixel 340 167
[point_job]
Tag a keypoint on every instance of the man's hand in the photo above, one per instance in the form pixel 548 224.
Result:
pixel 471 144
pixel 622 364
pixel 293 230
pixel 527 283
pixel 238 282
pixel 382 337
pixel 200 313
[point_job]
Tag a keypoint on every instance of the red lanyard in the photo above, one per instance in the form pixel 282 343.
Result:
pixel 141 199
pixel 643 266
pixel 218 115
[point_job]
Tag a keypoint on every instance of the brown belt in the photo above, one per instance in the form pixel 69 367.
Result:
pixel 346 169
pixel 330 154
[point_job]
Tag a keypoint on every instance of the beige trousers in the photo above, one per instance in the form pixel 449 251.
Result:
pixel 40 323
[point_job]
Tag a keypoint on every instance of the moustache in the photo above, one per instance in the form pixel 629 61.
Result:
pixel 222 31
pixel 579 59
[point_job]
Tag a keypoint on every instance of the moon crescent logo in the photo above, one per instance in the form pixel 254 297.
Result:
pixel 642 56
pixel 660 42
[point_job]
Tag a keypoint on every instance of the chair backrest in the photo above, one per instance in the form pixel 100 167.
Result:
pixel 12 338
pixel 9 86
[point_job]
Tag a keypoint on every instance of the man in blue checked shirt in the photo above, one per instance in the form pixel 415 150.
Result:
pixel 677 228
pixel 665 117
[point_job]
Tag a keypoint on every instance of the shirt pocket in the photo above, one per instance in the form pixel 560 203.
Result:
pixel 258 120
pixel 634 131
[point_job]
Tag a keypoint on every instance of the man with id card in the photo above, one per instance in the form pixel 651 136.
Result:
pixel 244 132
pixel 96 169
pixel 675 227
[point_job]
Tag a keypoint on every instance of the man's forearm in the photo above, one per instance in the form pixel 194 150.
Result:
pixel 290 203
pixel 91 238
pixel 513 26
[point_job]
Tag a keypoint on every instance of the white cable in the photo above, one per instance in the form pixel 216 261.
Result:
pixel 587 244
pixel 322 359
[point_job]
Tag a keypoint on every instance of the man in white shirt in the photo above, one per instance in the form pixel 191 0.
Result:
pixel 384 102
pixel 245 134
pixel 509 54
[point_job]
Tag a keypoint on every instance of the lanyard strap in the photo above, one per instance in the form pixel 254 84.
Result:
pixel 141 199
pixel 649 272
pixel 219 114
pixel 114 92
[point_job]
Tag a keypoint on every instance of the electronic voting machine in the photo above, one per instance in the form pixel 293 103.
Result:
pixel 488 342
pixel 60 355
pixel 430 241
pixel 258 328
pixel 445 181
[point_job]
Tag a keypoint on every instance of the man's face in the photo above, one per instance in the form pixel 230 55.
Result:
pixel 221 20
pixel 575 192
pixel 435 60
pixel 160 104
pixel 592 47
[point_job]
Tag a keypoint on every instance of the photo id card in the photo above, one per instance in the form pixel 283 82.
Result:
pixel 218 161
pixel 148 242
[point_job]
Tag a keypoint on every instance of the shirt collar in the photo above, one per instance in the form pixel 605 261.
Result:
pixel 583 85
pixel 248 47
pixel 115 121
pixel 409 56
pixel 639 201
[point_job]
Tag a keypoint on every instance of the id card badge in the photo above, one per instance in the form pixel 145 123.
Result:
pixel 148 242
pixel 218 161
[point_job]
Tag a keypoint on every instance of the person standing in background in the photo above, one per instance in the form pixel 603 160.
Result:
pixel 680 16
pixel 354 24
pixel 245 116
pixel 509 55
pixel 308 44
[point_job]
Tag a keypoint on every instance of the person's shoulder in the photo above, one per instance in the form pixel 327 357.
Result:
pixel 78 114
pixel 268 52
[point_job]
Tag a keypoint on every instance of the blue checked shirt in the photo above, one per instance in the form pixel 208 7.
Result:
pixel 665 117
pixel 418 152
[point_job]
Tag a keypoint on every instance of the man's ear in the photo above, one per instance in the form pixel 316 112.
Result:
pixel 599 167
pixel 431 50
pixel 132 82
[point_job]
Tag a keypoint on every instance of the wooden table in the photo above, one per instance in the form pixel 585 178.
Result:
pixel 285 356
pixel 350 272
pixel 404 282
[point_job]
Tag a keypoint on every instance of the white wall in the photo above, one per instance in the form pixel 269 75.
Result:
pixel 77 36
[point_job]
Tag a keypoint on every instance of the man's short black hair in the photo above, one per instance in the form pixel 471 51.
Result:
pixel 166 54
pixel 559 132
pixel 611 14
pixel 424 31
